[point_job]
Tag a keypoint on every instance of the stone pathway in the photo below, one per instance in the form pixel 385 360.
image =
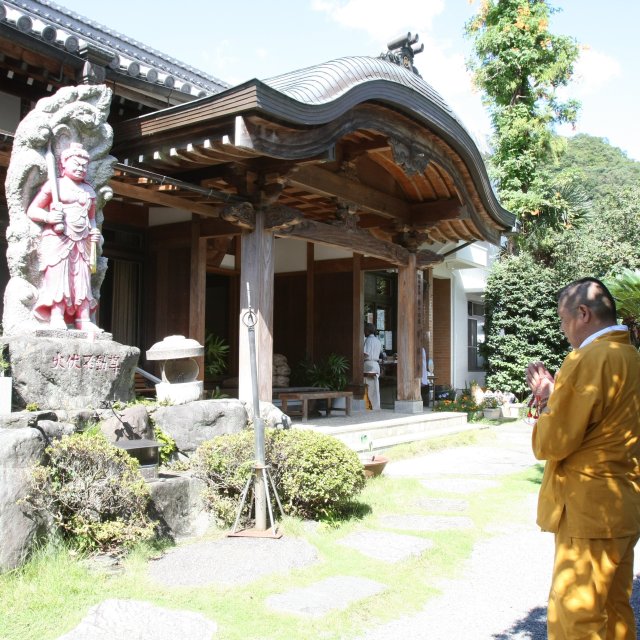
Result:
pixel 133 620
pixel 501 596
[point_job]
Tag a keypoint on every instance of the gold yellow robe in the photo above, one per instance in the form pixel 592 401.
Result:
pixel 590 436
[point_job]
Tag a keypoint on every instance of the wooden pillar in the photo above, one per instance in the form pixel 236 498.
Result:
pixel 198 289
pixel 257 270
pixel 409 363
pixel 311 308
pixel 357 358
pixel 429 311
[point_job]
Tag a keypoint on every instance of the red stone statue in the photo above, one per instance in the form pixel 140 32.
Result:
pixel 67 250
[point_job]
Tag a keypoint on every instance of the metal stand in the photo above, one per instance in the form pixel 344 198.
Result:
pixel 260 472
pixel 264 481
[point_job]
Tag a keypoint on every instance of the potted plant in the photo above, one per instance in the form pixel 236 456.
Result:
pixel 373 464
pixel 491 407
pixel 329 373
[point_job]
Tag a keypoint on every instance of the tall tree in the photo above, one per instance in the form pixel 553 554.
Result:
pixel 519 65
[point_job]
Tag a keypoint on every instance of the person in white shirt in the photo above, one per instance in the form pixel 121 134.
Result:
pixel 372 350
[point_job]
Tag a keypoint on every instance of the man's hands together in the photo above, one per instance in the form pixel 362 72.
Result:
pixel 540 381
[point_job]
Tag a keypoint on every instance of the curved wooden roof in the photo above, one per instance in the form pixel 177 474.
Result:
pixel 357 134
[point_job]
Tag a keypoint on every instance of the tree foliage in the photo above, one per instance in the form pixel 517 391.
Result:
pixel 625 288
pixel 521 324
pixel 519 65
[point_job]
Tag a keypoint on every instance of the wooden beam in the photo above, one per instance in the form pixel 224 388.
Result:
pixel 408 380
pixel 164 200
pixel 257 270
pixel 311 309
pixel 357 341
pixel 216 228
pixel 197 289
pixel 428 214
pixel 346 265
pixel 367 198
pixel 355 240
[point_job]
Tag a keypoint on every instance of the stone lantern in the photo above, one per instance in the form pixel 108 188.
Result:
pixel 180 371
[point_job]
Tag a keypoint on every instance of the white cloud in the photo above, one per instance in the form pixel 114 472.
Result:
pixel 592 71
pixel 440 65
pixel 380 18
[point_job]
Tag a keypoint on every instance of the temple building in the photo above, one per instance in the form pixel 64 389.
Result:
pixel 333 195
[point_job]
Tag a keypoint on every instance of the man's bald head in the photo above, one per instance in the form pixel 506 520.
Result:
pixel 592 293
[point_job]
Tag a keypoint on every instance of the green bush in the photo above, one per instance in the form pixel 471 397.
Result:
pixel 316 476
pixel 168 447
pixel 521 322
pixel 92 492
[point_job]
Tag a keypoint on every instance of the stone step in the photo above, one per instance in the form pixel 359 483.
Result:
pixel 382 434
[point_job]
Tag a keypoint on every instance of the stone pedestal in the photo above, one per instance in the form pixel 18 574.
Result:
pixel 70 369
pixel 408 406
pixel 180 392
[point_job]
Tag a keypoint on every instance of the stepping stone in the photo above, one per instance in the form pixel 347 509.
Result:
pixel 426 523
pixel 459 485
pixel 443 505
pixel 134 619
pixel 386 546
pixel 231 561
pixel 331 594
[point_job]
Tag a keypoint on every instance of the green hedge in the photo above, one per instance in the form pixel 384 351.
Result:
pixel 316 476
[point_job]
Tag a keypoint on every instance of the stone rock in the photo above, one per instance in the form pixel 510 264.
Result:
pixel 132 423
pixel 192 424
pixel 24 419
pixel 270 414
pixel 176 502
pixel 127 619
pixel 20 450
pixel 70 372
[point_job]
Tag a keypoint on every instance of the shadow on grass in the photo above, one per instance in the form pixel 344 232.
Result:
pixel 536 473
pixel 354 511
pixel 534 625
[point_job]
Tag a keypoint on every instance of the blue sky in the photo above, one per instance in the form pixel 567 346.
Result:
pixel 260 39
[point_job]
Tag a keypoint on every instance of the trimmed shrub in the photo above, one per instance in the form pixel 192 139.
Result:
pixel 316 476
pixel 92 492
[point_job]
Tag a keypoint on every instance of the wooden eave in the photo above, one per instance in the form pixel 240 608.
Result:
pixel 254 127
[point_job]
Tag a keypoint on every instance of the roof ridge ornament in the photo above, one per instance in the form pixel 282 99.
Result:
pixel 401 51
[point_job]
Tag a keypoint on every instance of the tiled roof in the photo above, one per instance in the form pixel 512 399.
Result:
pixel 57 26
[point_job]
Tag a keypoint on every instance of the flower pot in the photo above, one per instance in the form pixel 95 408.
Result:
pixel 511 410
pixel 492 414
pixel 373 465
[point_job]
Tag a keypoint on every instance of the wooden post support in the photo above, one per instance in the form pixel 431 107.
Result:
pixel 311 307
pixel 257 270
pixel 408 363
pixel 198 289
pixel 357 359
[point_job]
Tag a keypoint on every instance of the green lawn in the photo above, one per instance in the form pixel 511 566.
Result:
pixel 52 593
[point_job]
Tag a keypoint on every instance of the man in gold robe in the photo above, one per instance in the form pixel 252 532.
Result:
pixel 588 431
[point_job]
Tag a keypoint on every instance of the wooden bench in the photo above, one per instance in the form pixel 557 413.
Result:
pixel 305 396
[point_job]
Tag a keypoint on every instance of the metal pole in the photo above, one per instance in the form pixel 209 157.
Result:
pixel 258 425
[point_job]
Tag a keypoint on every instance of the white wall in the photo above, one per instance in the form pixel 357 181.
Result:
pixel 290 255
pixel 468 270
